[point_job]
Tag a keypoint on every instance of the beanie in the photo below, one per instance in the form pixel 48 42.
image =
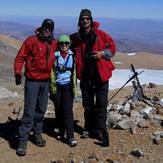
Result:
pixel 85 12
pixel 48 23
pixel 64 38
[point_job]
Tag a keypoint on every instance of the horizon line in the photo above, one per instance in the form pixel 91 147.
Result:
pixel 41 16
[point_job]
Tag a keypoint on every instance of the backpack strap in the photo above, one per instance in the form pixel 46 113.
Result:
pixel 64 67
pixel 68 68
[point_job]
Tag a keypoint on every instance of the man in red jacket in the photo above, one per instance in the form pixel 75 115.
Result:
pixel 93 48
pixel 37 53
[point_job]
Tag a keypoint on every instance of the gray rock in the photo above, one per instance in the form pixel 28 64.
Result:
pixel 125 109
pixel 133 129
pixel 158 133
pixel 134 113
pixel 113 118
pixel 137 153
pixel 144 124
pixel 16 110
pixel 157 119
pixel 125 123
pixel 156 139
pixel 109 107
pixel 161 102
pixel 137 119
pixel 6 93
pixel 146 111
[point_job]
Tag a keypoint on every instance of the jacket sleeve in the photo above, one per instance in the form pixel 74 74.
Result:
pixel 110 47
pixel 52 86
pixel 21 57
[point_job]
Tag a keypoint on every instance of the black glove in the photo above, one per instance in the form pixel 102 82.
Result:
pixel 18 79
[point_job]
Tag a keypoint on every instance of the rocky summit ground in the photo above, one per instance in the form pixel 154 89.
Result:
pixel 122 142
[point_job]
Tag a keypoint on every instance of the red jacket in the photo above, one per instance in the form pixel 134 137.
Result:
pixel 38 57
pixel 105 67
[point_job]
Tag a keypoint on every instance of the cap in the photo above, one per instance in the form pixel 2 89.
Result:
pixel 48 23
pixel 64 38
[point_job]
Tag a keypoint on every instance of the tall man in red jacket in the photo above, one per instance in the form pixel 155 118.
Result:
pixel 37 53
pixel 93 48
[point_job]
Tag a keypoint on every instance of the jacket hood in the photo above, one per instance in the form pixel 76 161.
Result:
pixel 96 25
pixel 38 31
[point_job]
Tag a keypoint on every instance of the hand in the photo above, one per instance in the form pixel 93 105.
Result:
pixel 98 54
pixel 18 79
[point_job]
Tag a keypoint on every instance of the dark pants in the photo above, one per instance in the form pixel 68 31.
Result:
pixel 94 98
pixel 35 105
pixel 63 103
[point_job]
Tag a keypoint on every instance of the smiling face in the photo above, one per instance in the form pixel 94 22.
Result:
pixel 64 46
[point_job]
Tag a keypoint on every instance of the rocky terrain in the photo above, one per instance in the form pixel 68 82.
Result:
pixel 135 126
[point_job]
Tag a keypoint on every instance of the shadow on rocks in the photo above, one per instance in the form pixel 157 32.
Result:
pixel 50 125
pixel 9 132
pixel 77 128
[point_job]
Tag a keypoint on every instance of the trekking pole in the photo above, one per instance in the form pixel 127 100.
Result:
pixel 131 78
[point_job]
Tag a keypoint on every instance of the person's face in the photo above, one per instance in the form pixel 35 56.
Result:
pixel 64 46
pixel 46 32
pixel 85 22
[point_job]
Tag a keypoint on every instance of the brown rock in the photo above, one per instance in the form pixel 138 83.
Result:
pixel 113 159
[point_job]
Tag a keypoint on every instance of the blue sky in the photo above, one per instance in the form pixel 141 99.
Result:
pixel 105 8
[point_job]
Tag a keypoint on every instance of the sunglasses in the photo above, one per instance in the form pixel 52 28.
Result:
pixel 46 30
pixel 85 18
pixel 64 43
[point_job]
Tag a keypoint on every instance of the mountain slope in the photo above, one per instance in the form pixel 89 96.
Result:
pixel 8 50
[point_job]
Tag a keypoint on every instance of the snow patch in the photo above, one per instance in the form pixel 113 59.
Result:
pixel 119 63
pixel 130 54
pixel 120 76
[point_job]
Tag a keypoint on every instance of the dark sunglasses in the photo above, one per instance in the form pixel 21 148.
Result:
pixel 46 30
pixel 66 43
pixel 85 18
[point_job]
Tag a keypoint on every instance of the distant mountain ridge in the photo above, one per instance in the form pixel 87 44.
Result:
pixel 16 30
pixel 131 35
pixel 135 34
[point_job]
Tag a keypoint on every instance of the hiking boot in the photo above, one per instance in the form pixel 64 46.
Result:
pixel 21 151
pixel 85 134
pixel 105 140
pixel 72 142
pixel 38 140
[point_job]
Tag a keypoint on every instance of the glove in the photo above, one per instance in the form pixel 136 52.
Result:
pixel 18 79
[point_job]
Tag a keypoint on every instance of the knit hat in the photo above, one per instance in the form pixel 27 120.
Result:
pixel 64 38
pixel 48 23
pixel 85 12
